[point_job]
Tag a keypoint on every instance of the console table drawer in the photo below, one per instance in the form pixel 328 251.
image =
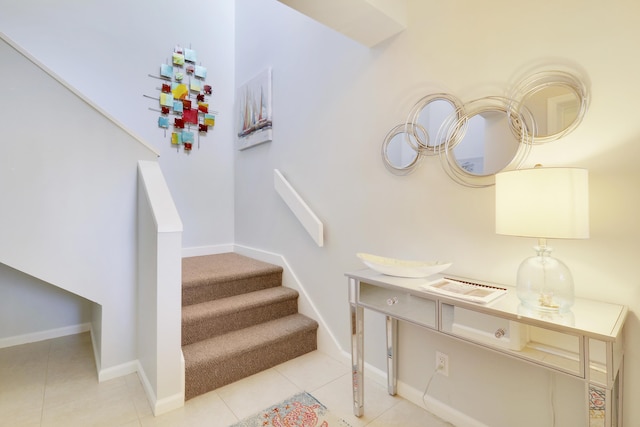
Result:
pixel 556 350
pixel 402 305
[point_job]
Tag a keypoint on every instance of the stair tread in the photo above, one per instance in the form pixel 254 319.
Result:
pixel 239 341
pixel 225 267
pixel 218 276
pixel 232 304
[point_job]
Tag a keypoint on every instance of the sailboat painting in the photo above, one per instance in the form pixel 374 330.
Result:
pixel 254 124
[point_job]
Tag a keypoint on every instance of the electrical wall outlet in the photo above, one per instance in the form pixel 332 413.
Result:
pixel 442 363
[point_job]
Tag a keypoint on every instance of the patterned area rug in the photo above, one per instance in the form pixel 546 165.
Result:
pixel 301 410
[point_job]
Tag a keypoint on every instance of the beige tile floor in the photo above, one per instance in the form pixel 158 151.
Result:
pixel 54 383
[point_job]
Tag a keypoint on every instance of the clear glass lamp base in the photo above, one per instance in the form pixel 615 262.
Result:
pixel 544 283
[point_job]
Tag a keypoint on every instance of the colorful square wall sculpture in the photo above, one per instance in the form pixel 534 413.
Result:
pixel 183 84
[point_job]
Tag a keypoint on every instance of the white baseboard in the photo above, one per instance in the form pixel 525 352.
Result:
pixel 414 396
pixel 44 335
pixel 436 407
pixel 327 342
pixel 117 371
pixel 161 406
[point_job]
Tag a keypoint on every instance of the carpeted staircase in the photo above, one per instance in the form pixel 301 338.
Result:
pixel 237 320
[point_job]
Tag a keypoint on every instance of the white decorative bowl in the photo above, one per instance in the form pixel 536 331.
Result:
pixel 402 268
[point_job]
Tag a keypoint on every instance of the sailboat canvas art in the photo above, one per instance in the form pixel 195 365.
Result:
pixel 254 124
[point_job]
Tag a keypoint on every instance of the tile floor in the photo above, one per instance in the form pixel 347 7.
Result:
pixel 54 383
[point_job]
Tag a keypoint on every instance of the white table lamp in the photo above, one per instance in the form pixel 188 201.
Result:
pixel 543 203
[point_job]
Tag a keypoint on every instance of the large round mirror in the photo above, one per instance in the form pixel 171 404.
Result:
pixel 398 149
pixel 555 100
pixel 429 113
pixel 488 138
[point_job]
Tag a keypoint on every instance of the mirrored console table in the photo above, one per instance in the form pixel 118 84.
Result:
pixel 585 343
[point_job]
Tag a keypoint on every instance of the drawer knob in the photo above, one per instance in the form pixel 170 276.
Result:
pixel 499 333
pixel 392 301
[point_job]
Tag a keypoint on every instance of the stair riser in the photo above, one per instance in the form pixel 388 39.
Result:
pixel 215 290
pixel 214 325
pixel 216 373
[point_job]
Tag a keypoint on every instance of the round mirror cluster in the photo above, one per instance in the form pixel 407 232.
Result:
pixel 482 137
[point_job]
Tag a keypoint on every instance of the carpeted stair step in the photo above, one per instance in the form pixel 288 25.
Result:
pixel 208 319
pixel 210 277
pixel 221 360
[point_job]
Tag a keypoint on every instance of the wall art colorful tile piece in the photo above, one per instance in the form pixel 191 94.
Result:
pixel 187 137
pixel 190 116
pixel 209 120
pixel 183 84
pixel 166 71
pixel 178 58
pixel 190 55
pixel 180 91
pixel 195 85
pixel 166 99
pixel 201 72
pixel 163 122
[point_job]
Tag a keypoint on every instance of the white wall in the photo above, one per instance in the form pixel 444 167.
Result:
pixel 335 100
pixel 106 50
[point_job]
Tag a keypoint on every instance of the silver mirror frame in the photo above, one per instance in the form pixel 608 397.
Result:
pixel 540 81
pixel 422 143
pixel 454 129
pixel 409 130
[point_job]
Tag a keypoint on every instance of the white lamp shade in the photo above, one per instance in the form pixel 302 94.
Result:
pixel 543 203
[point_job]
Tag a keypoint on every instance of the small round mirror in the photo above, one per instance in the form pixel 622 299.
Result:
pixel 398 149
pixel 429 113
pixel 556 102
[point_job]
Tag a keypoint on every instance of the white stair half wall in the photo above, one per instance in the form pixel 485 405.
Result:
pixel 68 175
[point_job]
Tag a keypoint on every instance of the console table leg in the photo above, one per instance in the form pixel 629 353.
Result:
pixel 357 358
pixel 392 357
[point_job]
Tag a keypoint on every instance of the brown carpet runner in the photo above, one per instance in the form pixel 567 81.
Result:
pixel 237 320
